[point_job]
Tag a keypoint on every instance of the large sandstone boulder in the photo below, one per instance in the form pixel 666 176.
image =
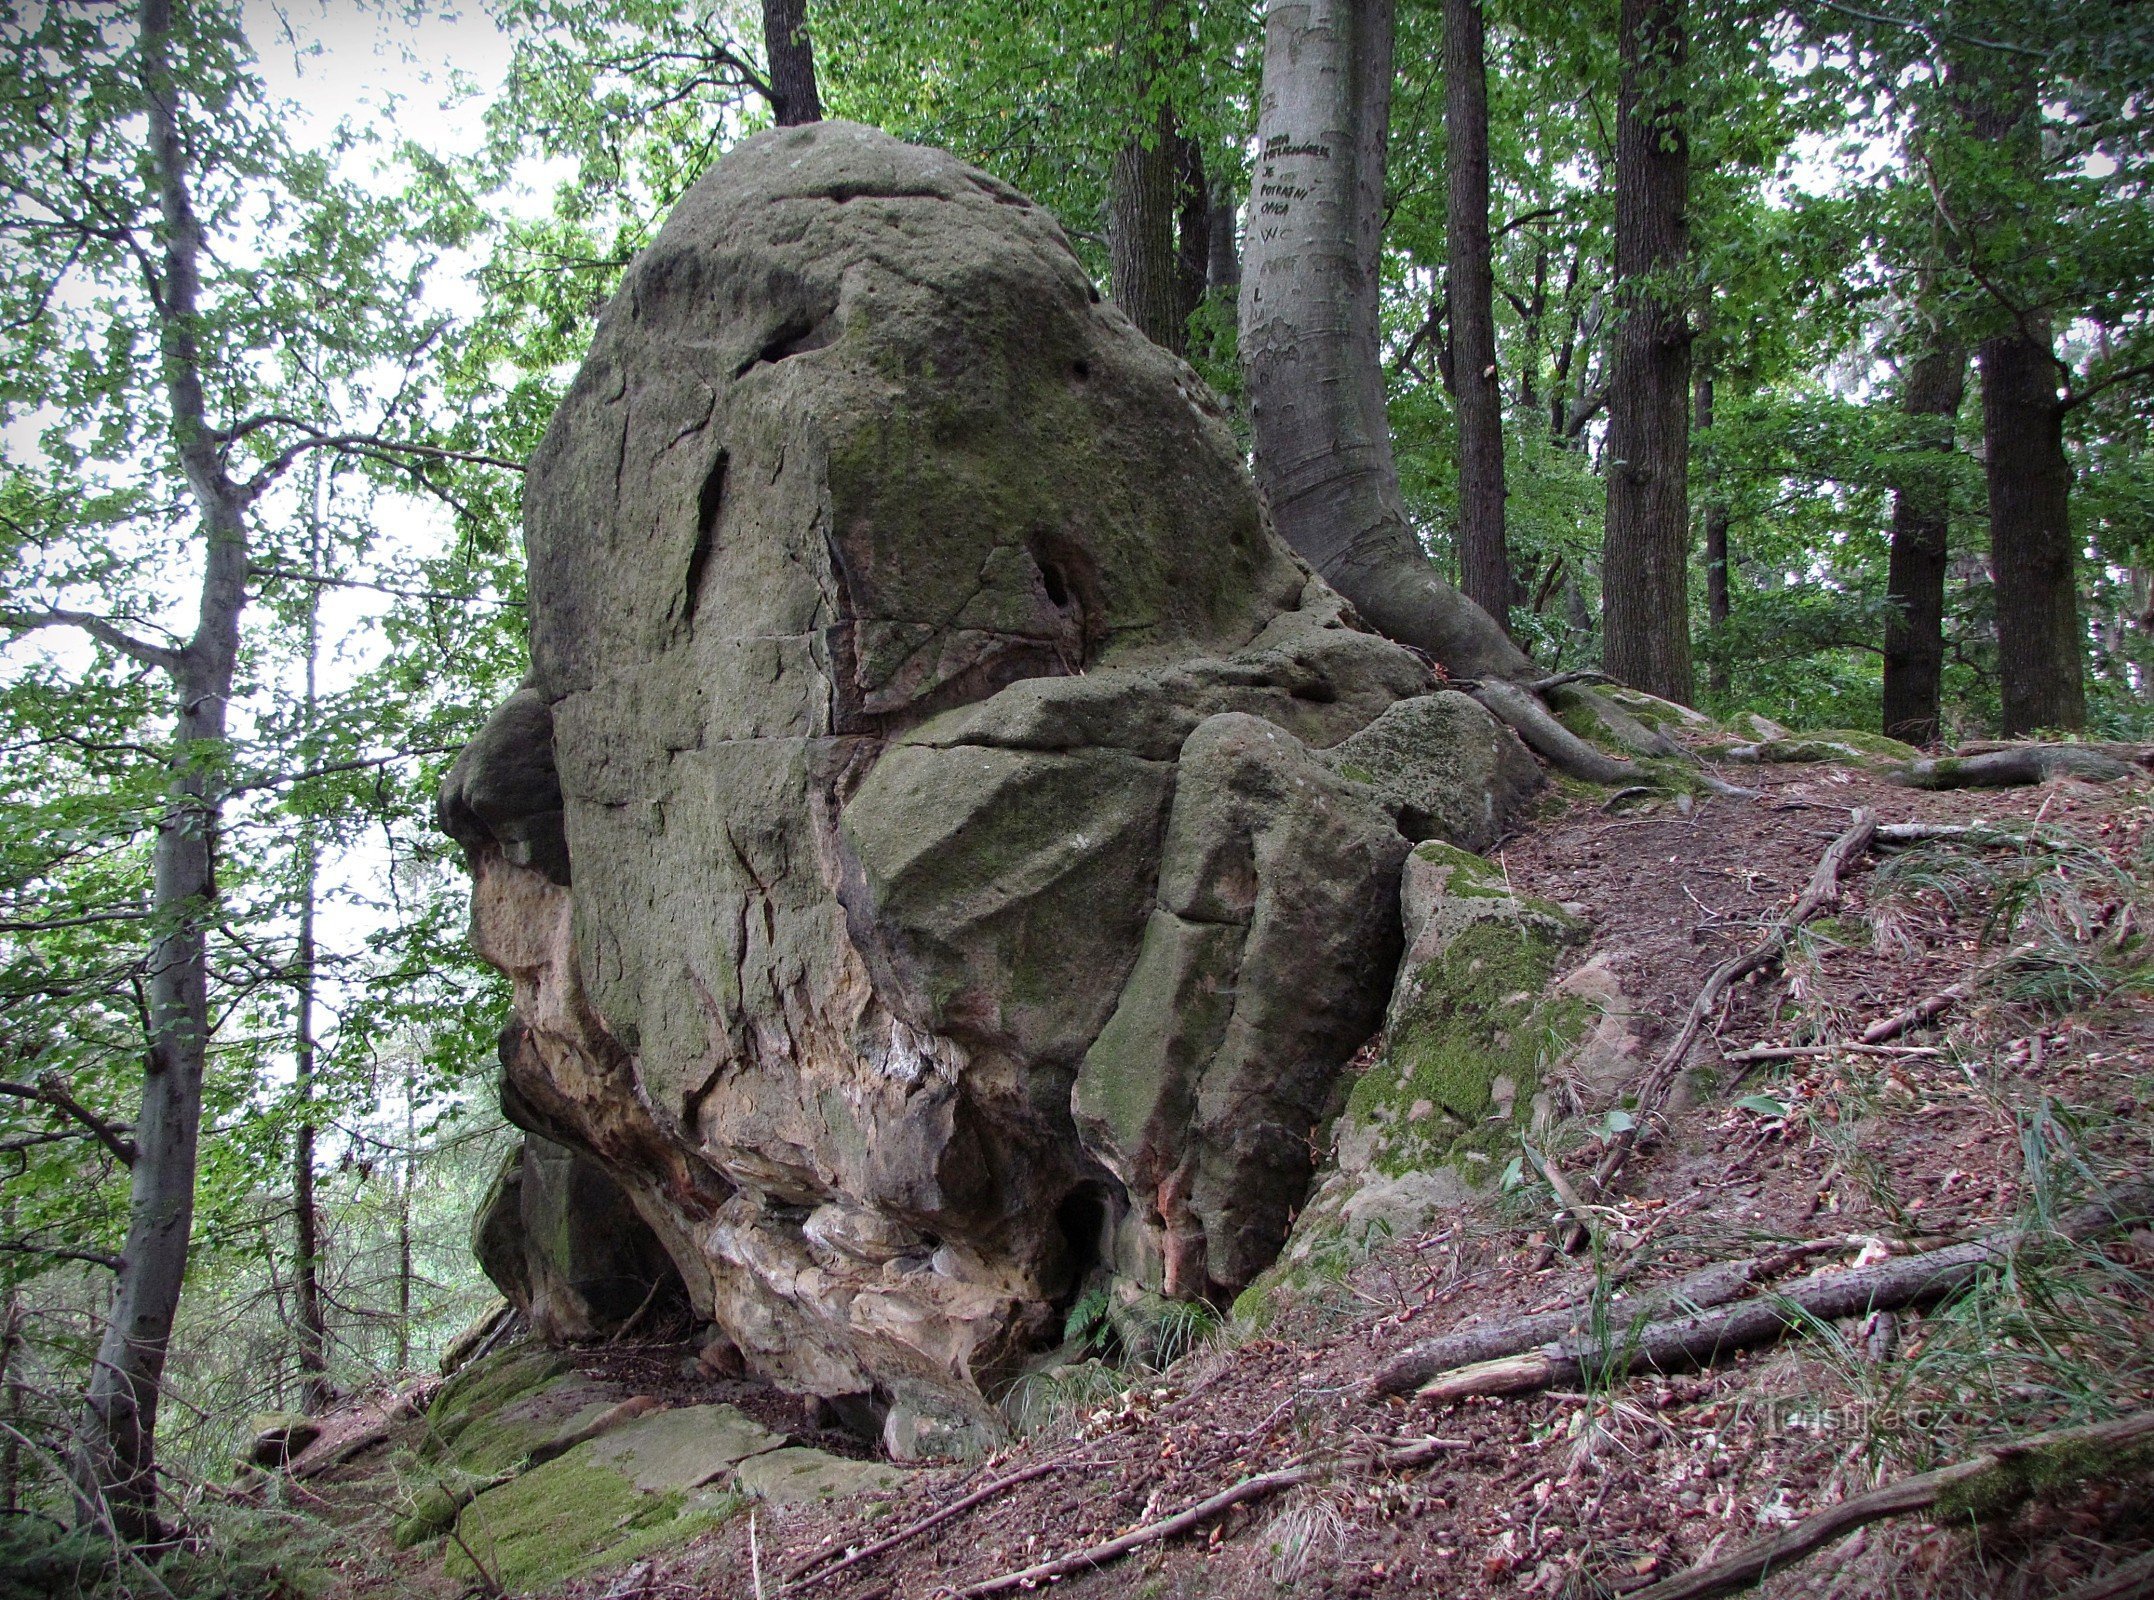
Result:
pixel 915 847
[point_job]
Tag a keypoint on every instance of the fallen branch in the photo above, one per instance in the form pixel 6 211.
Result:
pixel 1914 1016
pixel 2132 1581
pixel 1799 1052
pixel 1709 1286
pixel 806 1572
pixel 1982 1486
pixel 1417 1454
pixel 1823 890
pixel 1679 1343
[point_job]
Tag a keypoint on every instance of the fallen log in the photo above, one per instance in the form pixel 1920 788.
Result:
pixel 1418 1453
pixel 1709 1286
pixel 1987 1485
pixel 2134 1580
pixel 335 1447
pixel 1675 1344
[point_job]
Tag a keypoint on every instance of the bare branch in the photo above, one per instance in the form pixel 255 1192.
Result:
pixel 96 1258
pixel 51 1090
pixel 163 657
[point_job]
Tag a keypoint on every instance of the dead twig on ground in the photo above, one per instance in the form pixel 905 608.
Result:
pixel 806 1572
pixel 1995 1481
pixel 1399 1458
pixel 1823 890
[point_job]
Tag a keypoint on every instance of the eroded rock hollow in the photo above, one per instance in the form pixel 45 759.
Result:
pixel 946 846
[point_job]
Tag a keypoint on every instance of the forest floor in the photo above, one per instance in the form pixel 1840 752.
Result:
pixel 2029 1094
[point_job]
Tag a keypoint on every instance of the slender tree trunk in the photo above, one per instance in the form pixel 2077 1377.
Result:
pixel 2040 644
pixel 306 1217
pixel 1192 229
pixel 1484 554
pixel 11 1385
pixel 1223 267
pixel 1716 549
pixel 114 1467
pixel 1309 333
pixel 1921 519
pixel 403 1223
pixel 1141 204
pixel 791 52
pixel 1645 562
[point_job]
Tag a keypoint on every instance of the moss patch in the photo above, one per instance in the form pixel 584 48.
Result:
pixel 559 1521
pixel 1478 1024
pixel 476 1395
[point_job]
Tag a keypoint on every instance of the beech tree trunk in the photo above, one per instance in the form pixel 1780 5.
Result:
pixel 1484 554
pixel 1309 332
pixel 1142 199
pixel 1921 519
pixel 115 1466
pixel 793 95
pixel 1645 620
pixel 2040 643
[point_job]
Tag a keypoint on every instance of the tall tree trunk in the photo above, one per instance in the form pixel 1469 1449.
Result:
pixel 1192 229
pixel 1645 622
pixel 115 1467
pixel 791 52
pixel 1141 203
pixel 1921 520
pixel 2040 644
pixel 11 1385
pixel 313 1330
pixel 403 1221
pixel 1716 549
pixel 1309 332
pixel 1484 554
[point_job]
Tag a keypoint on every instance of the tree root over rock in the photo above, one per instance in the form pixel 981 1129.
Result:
pixel 1987 1485
pixel 1519 1361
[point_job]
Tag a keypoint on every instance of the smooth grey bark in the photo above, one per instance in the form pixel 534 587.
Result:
pixel 114 1465
pixel 1484 553
pixel 1309 334
pixel 1915 576
pixel 794 98
pixel 1645 564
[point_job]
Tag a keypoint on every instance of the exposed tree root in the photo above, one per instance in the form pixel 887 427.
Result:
pixel 1399 1458
pixel 1522 712
pixel 1986 1485
pixel 1822 891
pixel 1700 1339
pixel 2012 766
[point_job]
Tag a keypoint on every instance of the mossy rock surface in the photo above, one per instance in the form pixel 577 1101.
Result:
pixel 1475 1024
pixel 796 1474
pixel 491 1416
pixel 564 1519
